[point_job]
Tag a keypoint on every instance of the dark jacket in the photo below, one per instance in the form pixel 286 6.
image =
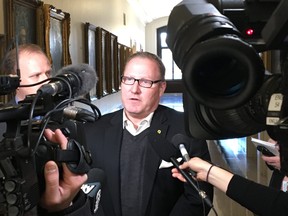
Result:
pixel 258 198
pixel 164 195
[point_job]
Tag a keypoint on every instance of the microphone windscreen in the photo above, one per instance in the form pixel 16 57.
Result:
pixel 93 186
pixel 96 175
pixel 85 73
pixel 163 147
pixel 178 139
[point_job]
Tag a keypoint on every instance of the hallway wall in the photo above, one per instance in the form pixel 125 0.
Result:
pixel 107 14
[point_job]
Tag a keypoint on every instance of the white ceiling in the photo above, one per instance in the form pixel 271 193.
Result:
pixel 149 10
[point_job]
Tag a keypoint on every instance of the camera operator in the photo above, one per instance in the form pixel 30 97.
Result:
pixel 257 198
pixel 34 67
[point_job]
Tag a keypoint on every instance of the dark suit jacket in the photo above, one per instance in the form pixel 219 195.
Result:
pixel 164 195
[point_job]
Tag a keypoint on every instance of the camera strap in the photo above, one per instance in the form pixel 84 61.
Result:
pixel 76 157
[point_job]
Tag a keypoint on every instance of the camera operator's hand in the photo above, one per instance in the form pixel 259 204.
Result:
pixel 59 193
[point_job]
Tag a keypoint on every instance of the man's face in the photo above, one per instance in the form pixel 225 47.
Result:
pixel 34 67
pixel 138 101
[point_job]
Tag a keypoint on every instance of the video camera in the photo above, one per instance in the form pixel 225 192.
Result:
pixel 24 150
pixel 218 46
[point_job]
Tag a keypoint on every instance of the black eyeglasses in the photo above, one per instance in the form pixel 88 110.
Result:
pixel 142 82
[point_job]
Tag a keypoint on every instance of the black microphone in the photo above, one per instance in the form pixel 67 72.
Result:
pixel 79 114
pixel 179 141
pixel 72 79
pixel 168 152
pixel 163 147
pixel 92 187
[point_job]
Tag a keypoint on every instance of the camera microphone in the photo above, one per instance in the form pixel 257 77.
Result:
pixel 73 79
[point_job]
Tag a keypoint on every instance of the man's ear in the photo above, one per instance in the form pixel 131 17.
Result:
pixel 163 87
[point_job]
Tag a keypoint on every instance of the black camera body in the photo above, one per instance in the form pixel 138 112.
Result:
pixel 24 151
pixel 229 92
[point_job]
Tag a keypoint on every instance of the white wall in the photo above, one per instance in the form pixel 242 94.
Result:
pixel 150 33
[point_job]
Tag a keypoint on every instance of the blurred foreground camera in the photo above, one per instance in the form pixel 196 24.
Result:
pixel 24 150
pixel 216 44
pixel 229 93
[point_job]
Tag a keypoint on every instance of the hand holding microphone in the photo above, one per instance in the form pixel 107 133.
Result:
pixel 179 141
pixel 168 152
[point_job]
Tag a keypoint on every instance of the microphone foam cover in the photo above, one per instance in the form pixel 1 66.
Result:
pixel 178 139
pixel 163 147
pixel 85 73
pixel 96 175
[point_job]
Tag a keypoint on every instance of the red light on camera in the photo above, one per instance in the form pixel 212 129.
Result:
pixel 249 32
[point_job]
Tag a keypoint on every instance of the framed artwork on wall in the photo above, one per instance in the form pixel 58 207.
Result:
pixel 2 46
pixel 99 62
pixel 114 63
pixel 106 47
pixel 103 65
pixel 57 32
pixel 121 60
pixel 22 21
pixel 90 56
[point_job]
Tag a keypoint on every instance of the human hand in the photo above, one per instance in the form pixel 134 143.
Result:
pixel 273 161
pixel 198 165
pixel 59 193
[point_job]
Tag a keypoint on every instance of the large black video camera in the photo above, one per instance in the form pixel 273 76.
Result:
pixel 24 150
pixel 230 93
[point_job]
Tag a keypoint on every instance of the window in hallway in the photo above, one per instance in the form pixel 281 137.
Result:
pixel 172 70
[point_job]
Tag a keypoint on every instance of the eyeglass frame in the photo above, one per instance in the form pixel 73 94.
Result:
pixel 138 80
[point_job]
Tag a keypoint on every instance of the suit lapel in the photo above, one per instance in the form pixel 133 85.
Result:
pixel 113 138
pixel 159 122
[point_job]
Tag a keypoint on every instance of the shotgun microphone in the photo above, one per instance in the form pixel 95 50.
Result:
pixel 73 79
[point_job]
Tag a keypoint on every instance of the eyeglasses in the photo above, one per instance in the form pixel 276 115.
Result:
pixel 142 82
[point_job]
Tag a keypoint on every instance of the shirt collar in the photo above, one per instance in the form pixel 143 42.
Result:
pixel 147 120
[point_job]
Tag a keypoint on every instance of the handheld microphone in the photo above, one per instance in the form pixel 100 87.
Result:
pixel 167 151
pixel 163 147
pixel 92 187
pixel 179 141
pixel 201 193
pixel 73 79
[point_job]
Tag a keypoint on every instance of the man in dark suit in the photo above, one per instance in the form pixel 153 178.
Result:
pixel 139 182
